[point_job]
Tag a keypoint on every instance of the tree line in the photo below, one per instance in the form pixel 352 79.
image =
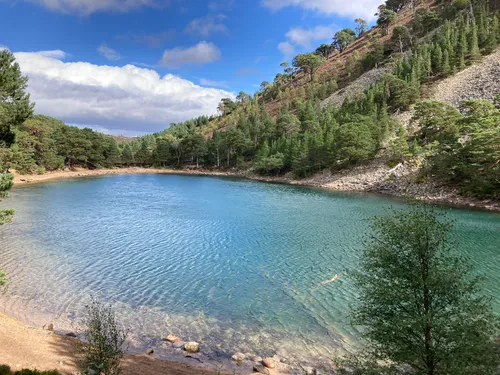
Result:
pixel 303 137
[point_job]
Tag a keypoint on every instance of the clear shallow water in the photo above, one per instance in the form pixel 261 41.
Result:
pixel 237 265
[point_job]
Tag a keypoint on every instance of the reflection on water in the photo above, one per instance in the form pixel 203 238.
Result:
pixel 238 265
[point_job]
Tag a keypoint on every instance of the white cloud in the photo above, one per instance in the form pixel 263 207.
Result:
pixel 86 7
pixel 357 8
pixel 287 49
pixel 208 82
pixel 208 25
pixel 107 52
pixel 199 54
pixel 56 54
pixel 305 37
pixel 121 99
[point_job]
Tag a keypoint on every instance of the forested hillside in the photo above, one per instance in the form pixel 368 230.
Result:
pixel 297 124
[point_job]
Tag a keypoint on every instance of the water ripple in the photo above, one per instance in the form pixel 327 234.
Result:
pixel 238 265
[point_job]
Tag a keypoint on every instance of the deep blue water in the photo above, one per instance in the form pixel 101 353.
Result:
pixel 238 265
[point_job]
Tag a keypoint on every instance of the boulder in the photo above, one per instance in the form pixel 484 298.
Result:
pixel 71 334
pixel 150 351
pixel 173 338
pixel 257 359
pixel 238 357
pixel 192 347
pixel 261 369
pixel 269 362
pixel 48 327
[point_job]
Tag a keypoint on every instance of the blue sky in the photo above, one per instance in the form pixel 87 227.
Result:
pixel 133 66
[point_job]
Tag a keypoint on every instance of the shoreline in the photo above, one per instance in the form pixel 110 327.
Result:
pixel 24 346
pixel 323 180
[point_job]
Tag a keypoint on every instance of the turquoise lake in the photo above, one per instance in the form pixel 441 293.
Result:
pixel 234 264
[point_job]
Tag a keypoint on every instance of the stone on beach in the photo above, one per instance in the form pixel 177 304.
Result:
pixel 48 327
pixel 238 357
pixel 269 362
pixel 192 347
pixel 150 351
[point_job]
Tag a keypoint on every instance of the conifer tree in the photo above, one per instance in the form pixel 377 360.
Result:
pixel 474 44
pixel 421 305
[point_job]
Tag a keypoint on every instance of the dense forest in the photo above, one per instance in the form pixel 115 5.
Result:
pixel 302 136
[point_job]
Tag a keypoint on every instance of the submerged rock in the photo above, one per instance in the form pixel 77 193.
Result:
pixel 173 338
pixel 192 347
pixel 178 345
pixel 71 334
pixel 238 357
pixel 269 362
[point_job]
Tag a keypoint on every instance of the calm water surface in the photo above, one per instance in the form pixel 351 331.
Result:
pixel 235 264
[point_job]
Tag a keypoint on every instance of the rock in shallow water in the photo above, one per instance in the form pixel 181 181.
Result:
pixel 173 338
pixel 238 357
pixel 178 345
pixel 192 347
pixel 150 351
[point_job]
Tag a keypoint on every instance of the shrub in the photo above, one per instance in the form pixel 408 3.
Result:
pixel 104 344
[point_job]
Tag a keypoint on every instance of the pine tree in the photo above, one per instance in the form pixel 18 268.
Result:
pixel 446 63
pixel 420 302
pixel 437 58
pixel 474 44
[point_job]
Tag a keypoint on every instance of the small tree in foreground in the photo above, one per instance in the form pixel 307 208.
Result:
pixel 420 303
pixel 104 340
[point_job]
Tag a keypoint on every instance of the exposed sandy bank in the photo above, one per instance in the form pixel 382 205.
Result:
pixel 22 346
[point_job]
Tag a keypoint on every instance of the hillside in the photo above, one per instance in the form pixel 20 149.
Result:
pixel 384 109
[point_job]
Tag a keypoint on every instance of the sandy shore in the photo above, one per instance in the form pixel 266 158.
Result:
pixel 22 346
pixel 369 178
pixel 20 179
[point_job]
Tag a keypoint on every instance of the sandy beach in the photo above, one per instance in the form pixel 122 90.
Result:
pixel 22 346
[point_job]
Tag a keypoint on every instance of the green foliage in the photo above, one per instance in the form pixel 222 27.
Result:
pixel 104 341
pixel 324 50
pixel 386 17
pixel 421 304
pixel 270 165
pixel 5 370
pixel 361 26
pixel 401 39
pixel 343 38
pixel 468 145
pixel 15 106
pixel 437 121
pixel 308 63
